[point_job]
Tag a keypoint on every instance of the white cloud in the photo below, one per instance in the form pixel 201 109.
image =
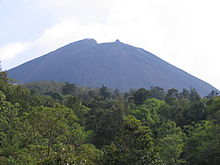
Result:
pixel 11 50
pixel 84 11
pixel 184 33
pixel 59 34
pixel 58 3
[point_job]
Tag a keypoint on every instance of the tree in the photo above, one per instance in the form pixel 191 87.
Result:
pixel 171 96
pixel 213 94
pixel 171 143
pixel 45 129
pixel 105 120
pixel 149 112
pixel 116 93
pixel 203 143
pixel 85 154
pixel 103 91
pixel 68 89
pixel 133 145
pixel 213 109
pixel 8 121
pixel 158 93
pixel 141 95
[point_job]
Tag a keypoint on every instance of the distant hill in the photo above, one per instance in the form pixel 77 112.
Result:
pixel 114 64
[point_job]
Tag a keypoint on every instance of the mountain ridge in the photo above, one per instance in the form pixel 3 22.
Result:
pixel 114 64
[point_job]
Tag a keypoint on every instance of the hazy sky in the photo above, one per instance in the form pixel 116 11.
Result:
pixel 185 33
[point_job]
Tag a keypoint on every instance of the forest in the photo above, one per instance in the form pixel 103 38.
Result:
pixel 58 123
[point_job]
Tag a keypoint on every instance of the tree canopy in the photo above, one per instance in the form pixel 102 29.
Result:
pixel 61 123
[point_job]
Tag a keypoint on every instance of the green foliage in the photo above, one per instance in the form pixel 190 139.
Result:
pixel 60 123
pixel 203 144
pixel 158 93
pixel 149 112
pixel 171 143
pixel 86 154
pixel 45 87
pixel 104 92
pixel 141 95
pixel 68 89
pixel 213 109
pixel 132 146
pixel 8 121
pixel 105 120
pixel 12 155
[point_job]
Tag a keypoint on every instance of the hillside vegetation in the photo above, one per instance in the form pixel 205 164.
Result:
pixel 55 123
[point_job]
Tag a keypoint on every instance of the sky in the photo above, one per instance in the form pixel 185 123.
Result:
pixel 185 33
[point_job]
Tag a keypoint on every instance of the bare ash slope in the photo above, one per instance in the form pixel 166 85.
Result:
pixel 114 64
